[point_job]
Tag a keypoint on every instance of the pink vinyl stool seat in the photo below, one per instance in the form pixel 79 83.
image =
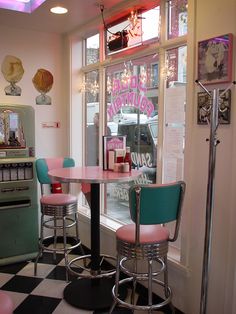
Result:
pixel 148 234
pixel 58 199
pixel 6 304
pixel 59 205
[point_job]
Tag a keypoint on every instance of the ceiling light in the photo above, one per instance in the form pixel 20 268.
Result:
pixel 59 10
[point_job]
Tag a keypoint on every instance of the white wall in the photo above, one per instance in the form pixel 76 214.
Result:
pixel 212 18
pixel 38 50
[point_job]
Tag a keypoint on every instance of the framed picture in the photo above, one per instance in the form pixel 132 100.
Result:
pixel 215 59
pixel 110 143
pixel 204 108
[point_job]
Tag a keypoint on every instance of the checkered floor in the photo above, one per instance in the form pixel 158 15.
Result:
pixel 43 294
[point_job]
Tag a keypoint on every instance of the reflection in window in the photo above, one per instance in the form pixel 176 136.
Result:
pixel 126 34
pixel 92 119
pixel 92 49
pixel 154 75
pixel 177 18
pixel 174 118
pixel 175 99
pixel 176 63
pixel 132 106
pixel 151 17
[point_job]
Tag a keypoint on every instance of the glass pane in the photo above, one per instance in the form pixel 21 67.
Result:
pixel 123 35
pixel 151 24
pixel 132 110
pixel 11 130
pixel 176 66
pixel 92 49
pixel 175 101
pixel 137 28
pixel 92 119
pixel 177 18
pixel 174 121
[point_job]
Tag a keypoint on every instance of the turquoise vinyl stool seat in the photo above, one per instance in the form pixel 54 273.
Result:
pixel 142 246
pixel 59 212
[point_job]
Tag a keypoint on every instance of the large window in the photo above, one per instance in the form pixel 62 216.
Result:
pixel 140 95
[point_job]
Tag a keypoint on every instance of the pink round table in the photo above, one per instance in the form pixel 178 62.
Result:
pixel 94 293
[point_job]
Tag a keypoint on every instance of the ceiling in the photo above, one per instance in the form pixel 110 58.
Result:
pixel 79 12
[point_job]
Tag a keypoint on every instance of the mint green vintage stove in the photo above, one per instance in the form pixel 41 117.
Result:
pixel 18 184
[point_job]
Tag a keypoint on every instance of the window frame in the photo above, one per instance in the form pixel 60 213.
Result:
pixel 162 46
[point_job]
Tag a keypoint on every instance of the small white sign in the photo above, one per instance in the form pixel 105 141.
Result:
pixel 51 125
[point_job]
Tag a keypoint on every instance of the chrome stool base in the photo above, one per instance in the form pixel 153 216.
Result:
pixel 119 301
pixel 155 267
pixel 50 243
pixel 87 272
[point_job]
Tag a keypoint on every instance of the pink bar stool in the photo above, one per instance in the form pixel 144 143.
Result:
pixel 6 304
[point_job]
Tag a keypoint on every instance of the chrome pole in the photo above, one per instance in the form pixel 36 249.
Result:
pixel 210 199
pixel 213 142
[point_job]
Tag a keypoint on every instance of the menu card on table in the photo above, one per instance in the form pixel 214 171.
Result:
pixel 110 144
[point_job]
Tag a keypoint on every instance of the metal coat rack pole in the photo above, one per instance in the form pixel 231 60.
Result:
pixel 213 142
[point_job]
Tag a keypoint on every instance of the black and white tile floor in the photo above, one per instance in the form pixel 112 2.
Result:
pixel 43 294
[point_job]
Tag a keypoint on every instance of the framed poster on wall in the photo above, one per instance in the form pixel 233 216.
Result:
pixel 215 59
pixel 205 104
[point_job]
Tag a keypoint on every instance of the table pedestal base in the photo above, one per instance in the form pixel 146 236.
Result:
pixel 91 294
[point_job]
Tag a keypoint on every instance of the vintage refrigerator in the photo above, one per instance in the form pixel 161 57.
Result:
pixel 18 185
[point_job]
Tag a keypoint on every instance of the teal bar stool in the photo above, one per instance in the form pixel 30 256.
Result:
pixel 142 246
pixel 59 212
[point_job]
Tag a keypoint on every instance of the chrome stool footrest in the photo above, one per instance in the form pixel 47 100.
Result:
pixel 44 245
pixel 141 276
pixel 46 223
pixel 126 304
pixel 87 272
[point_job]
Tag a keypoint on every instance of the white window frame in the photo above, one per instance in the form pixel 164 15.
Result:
pixel 161 47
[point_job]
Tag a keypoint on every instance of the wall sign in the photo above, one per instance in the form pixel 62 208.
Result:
pixel 55 125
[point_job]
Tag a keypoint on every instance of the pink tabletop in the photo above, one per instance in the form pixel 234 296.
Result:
pixel 92 175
